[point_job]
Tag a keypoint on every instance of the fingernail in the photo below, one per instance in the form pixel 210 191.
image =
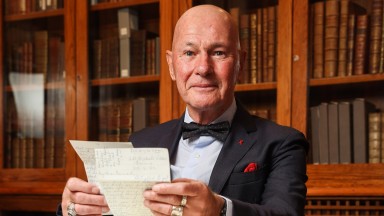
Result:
pixel 105 209
pixel 95 190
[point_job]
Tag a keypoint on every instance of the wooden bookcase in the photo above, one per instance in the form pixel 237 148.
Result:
pixel 289 96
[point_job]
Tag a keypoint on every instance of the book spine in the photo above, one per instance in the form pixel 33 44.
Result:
pixel 323 134
pixel 376 22
pixel 374 153
pixel 361 108
pixel 331 37
pixel 253 57
pixel 333 132
pixel 350 44
pixel 345 132
pixel 271 41
pixel 315 115
pixel 343 35
pixel 360 44
pixel 318 39
pixel 245 44
pixel 259 45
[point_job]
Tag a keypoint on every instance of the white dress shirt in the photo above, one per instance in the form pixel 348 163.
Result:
pixel 196 156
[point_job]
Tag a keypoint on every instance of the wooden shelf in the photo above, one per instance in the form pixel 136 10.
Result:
pixel 34 15
pixel 256 87
pixel 346 180
pixel 125 80
pixel 31 87
pixel 347 80
pixel 109 5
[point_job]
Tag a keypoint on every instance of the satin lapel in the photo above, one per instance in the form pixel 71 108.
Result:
pixel 240 140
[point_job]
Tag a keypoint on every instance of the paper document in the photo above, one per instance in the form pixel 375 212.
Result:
pixel 124 172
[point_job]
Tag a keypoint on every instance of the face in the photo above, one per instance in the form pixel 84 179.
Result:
pixel 204 61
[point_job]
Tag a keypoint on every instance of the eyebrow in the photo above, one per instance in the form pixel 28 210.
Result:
pixel 213 45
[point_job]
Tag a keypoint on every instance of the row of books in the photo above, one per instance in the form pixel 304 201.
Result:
pixel 341 133
pixel 258 37
pixel 144 56
pixel 37 52
pixel 118 119
pixel 35 136
pixel 126 50
pixel 346 38
pixel 266 113
pixel 28 6
pixel 93 2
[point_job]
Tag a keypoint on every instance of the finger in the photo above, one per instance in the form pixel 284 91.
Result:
pixel 88 199
pixel 90 209
pixel 76 184
pixel 182 188
pixel 162 198
pixel 158 208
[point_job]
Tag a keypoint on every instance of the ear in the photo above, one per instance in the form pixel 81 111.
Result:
pixel 169 55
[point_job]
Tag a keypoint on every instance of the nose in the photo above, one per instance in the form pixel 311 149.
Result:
pixel 203 65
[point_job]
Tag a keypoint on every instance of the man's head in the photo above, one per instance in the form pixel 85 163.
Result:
pixel 205 61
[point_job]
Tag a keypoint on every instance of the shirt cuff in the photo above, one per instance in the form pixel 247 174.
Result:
pixel 229 206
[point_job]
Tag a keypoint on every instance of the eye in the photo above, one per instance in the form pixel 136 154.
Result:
pixel 218 53
pixel 188 53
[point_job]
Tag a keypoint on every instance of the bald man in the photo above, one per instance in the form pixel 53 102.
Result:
pixel 224 161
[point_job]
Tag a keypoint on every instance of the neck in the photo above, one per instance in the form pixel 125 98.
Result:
pixel 207 116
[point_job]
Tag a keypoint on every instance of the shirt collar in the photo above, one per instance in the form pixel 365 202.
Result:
pixel 226 116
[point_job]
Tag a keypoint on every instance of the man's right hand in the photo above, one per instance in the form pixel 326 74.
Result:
pixel 85 196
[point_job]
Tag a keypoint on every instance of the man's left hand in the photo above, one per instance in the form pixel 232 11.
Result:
pixel 200 199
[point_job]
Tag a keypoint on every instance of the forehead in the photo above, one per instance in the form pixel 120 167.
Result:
pixel 198 30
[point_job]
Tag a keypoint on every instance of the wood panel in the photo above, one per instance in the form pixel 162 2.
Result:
pixel 299 66
pixel 346 180
pixel 284 63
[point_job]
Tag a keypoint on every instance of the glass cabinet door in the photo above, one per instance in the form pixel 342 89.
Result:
pixel 33 85
pixel 124 68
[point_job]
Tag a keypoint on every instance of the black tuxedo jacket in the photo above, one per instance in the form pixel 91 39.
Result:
pixel 276 187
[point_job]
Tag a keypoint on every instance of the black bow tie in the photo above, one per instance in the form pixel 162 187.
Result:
pixel 218 130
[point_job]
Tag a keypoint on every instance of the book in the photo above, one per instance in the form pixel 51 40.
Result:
pixel 350 44
pixel 245 41
pixel 271 41
pixel 323 134
pixel 375 36
pixel 382 137
pixel 360 44
pixel 345 132
pixel 361 108
pixel 41 52
pixel 333 133
pixel 127 20
pixel 252 49
pixel 140 113
pixel 331 37
pixel 315 115
pixel 318 37
pixel 374 141
pixel 343 35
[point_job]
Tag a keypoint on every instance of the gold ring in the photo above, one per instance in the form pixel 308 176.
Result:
pixel 71 209
pixel 177 211
pixel 183 201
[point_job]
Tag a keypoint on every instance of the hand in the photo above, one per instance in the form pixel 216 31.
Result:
pixel 200 199
pixel 86 197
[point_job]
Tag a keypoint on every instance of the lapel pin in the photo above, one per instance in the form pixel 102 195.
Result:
pixel 241 141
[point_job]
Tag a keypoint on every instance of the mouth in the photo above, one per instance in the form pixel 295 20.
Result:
pixel 204 86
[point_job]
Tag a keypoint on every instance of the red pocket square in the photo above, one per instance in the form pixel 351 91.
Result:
pixel 251 167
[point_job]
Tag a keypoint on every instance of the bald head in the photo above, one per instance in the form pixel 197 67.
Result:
pixel 206 16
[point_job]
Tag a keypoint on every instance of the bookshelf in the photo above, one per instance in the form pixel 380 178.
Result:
pixel 345 188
